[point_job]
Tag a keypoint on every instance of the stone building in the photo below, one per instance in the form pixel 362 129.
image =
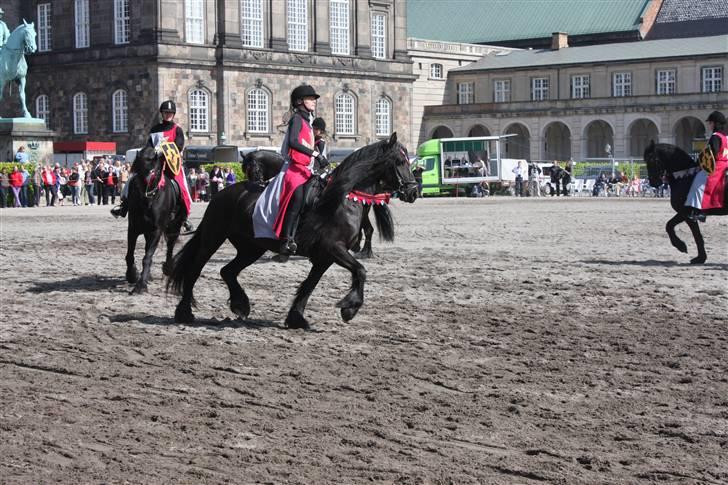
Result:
pixel 571 102
pixel 103 67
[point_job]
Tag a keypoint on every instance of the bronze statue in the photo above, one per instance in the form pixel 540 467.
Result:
pixel 13 48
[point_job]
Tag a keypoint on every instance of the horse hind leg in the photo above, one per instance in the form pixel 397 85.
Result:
pixel 247 255
pixel 368 229
pixel 150 247
pixel 132 274
pixel 674 239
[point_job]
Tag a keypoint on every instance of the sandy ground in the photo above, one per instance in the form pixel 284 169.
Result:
pixel 501 341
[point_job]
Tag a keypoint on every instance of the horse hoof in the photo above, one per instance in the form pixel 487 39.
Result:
pixel 240 309
pixel 296 320
pixel 348 313
pixel 698 260
pixel 139 289
pixel 132 276
pixel 364 255
pixel 183 315
pixel 681 246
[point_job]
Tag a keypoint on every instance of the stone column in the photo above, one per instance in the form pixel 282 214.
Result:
pixel 228 25
pixel 399 20
pixel 320 15
pixel 362 25
pixel 278 25
pixel 170 13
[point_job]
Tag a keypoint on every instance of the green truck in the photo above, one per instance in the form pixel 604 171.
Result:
pixel 452 165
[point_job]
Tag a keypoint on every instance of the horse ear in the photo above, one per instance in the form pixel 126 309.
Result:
pixel 24 22
pixel 392 140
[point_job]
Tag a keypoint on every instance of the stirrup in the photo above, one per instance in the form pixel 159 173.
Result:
pixel 288 247
pixel 188 226
pixel 118 211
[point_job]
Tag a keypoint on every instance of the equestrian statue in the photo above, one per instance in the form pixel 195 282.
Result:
pixel 13 48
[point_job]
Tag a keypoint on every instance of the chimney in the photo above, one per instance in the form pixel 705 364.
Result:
pixel 559 40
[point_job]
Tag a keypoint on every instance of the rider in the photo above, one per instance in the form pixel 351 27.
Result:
pixel 709 187
pixel 300 150
pixel 4 31
pixel 170 131
pixel 319 131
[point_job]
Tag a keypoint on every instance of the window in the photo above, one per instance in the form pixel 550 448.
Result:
pixel 44 27
pixel 465 93
pixel 539 88
pixel 80 114
pixel 436 71
pixel 199 111
pixel 251 32
pixel 82 24
pixel 344 114
pixel 120 107
pixel 502 91
pixel 379 36
pixel 257 111
pixel 665 81
pixel 383 115
pixel 42 109
pixel 580 86
pixel 712 79
pixel 622 84
pixel 195 21
pixel 339 26
pixel 298 25
pixel 121 21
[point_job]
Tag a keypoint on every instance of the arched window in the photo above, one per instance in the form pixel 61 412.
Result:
pixel 258 111
pixel 82 24
pixel 119 103
pixel 199 111
pixel 345 114
pixel 436 71
pixel 195 21
pixel 298 25
pixel 383 114
pixel 80 114
pixel 339 26
pixel 43 110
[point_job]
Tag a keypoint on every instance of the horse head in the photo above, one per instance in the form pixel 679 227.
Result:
pixel 663 158
pixel 146 160
pixel 398 174
pixel 23 37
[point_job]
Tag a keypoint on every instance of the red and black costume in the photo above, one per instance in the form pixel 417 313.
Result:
pixel 171 131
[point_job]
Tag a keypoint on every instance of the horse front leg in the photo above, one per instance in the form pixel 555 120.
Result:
pixel 295 318
pixel 698 236
pixel 248 253
pixel 21 92
pixel 132 274
pixel 353 300
pixel 670 228
pixel 152 241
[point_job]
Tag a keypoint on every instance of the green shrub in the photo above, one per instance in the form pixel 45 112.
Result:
pixel 237 169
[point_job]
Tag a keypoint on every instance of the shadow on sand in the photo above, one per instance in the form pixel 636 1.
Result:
pixel 80 283
pixel 652 263
pixel 208 323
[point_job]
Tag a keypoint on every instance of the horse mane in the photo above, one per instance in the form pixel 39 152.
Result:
pixel 146 153
pixel 673 155
pixel 355 169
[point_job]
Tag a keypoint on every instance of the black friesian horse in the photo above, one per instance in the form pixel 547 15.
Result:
pixel 326 231
pixel 680 168
pixel 153 212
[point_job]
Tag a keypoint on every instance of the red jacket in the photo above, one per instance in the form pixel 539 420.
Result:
pixel 16 179
pixel 48 177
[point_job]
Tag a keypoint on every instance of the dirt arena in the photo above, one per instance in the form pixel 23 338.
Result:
pixel 501 341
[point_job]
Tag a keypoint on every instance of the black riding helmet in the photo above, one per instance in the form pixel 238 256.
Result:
pixel 717 117
pixel 320 124
pixel 301 92
pixel 168 106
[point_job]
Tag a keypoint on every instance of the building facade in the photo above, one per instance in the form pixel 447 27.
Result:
pixel 103 67
pixel 587 102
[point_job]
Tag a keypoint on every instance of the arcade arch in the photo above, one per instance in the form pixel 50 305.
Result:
pixel 597 135
pixel 442 132
pixel 641 132
pixel 686 130
pixel 517 146
pixel 556 141
pixel 479 130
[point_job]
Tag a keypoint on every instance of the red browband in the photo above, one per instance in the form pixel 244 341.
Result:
pixel 371 199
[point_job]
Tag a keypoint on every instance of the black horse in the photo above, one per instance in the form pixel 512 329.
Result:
pixel 153 211
pixel 326 231
pixel 680 168
pixel 262 165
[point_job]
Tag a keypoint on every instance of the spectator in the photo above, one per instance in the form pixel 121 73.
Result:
pixel 555 179
pixel 634 187
pixel 98 174
pixel 48 177
pixel 16 182
pixel 4 188
pixel 62 185
pixel 74 184
pixel 203 183
pixel 37 185
pixel 88 182
pixel 24 188
pixel 534 188
pixel 192 184
pixel 664 189
pixel 229 177
pixel 417 172
pixel 600 185
pixel 217 181
pixel 518 170
pixel 20 156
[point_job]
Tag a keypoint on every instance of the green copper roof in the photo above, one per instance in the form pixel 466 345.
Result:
pixel 483 21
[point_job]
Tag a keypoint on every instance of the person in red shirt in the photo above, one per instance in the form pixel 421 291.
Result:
pixel 16 182
pixel 708 188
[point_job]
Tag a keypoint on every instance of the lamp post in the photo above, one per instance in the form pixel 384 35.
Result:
pixel 608 149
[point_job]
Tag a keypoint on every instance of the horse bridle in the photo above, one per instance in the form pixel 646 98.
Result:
pixel 402 185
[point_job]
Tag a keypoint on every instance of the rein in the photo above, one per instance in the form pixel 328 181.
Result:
pixel 684 173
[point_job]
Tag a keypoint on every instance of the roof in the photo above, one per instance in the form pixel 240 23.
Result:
pixel 620 52
pixel 487 21
pixel 690 18
pixel 84 146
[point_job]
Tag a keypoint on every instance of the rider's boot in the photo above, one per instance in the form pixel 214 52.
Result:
pixel 696 215
pixel 187 226
pixel 121 209
pixel 288 243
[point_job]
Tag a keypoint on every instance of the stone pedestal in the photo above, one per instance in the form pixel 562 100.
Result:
pixel 30 133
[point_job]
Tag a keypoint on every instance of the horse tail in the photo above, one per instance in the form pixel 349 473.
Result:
pixel 385 223
pixel 182 262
